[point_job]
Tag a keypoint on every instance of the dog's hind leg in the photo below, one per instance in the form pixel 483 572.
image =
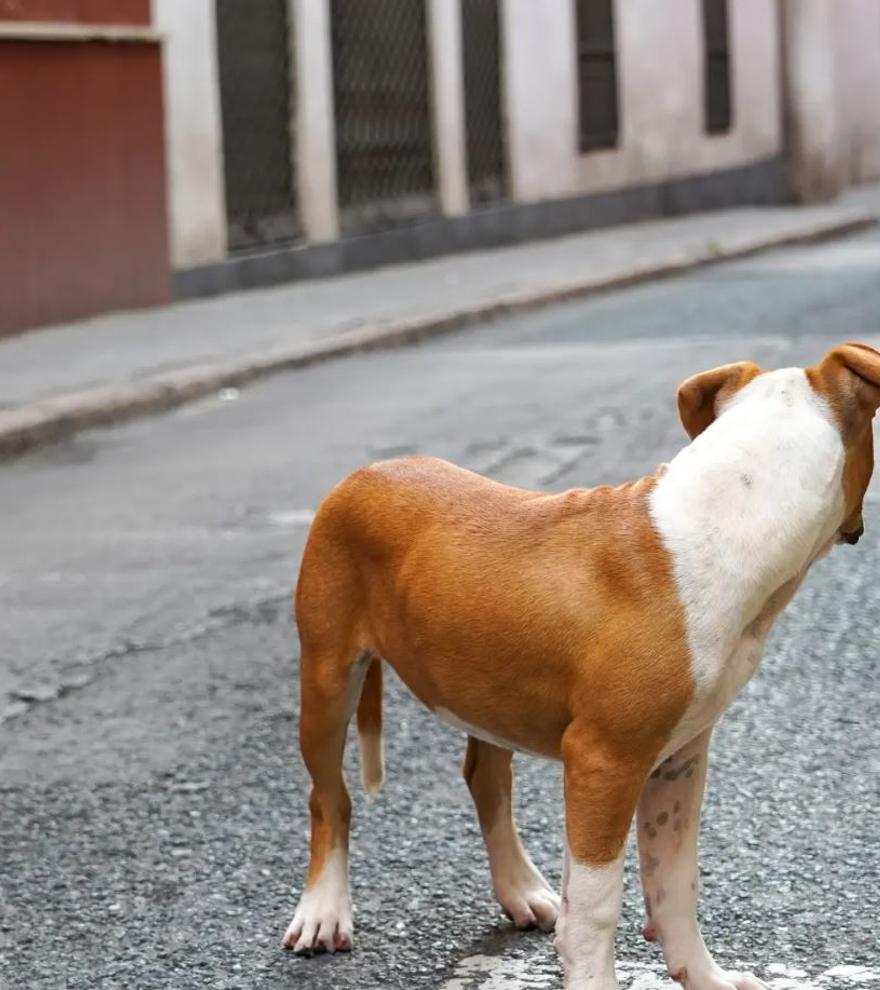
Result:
pixel 521 890
pixel 330 687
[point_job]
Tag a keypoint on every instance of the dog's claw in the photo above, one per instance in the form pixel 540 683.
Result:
pixel 314 937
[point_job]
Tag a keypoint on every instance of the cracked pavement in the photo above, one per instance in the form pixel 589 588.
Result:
pixel 152 802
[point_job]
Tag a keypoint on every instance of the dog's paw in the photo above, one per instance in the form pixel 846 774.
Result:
pixel 715 978
pixel 529 901
pixel 322 922
pixel 745 981
pixel 532 908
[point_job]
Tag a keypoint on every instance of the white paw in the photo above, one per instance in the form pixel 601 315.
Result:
pixel 744 981
pixel 322 922
pixel 715 978
pixel 320 926
pixel 528 899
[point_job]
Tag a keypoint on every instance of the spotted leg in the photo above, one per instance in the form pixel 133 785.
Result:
pixel 668 824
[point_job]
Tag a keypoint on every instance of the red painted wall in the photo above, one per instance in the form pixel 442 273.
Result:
pixel 82 181
pixel 83 11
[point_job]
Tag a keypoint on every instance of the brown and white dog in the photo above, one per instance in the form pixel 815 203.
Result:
pixel 608 628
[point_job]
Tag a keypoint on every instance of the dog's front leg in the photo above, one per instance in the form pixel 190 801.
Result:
pixel 668 824
pixel 601 791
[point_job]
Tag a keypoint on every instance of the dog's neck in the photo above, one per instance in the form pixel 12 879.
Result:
pixel 748 506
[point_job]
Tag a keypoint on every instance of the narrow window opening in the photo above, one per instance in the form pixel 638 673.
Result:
pixel 597 75
pixel 716 80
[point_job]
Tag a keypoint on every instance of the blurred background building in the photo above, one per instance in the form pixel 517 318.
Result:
pixel 184 147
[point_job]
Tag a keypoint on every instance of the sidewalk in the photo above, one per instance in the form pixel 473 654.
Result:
pixel 55 382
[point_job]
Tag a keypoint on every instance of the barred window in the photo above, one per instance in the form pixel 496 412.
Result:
pixel 482 89
pixel 716 75
pixel 597 74
pixel 384 142
pixel 253 44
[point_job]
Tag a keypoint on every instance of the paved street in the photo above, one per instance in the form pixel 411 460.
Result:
pixel 152 801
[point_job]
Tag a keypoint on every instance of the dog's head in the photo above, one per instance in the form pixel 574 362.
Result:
pixel 847 380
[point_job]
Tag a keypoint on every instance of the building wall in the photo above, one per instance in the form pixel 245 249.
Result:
pixel 832 69
pixel 196 204
pixel 857 90
pixel 812 100
pixel 77 11
pixel 82 172
pixel 804 74
pixel 660 72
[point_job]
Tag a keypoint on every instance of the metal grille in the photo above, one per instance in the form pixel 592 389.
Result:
pixel 254 44
pixel 716 87
pixel 597 74
pixel 384 148
pixel 482 86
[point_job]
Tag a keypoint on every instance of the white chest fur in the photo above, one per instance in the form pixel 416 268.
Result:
pixel 744 510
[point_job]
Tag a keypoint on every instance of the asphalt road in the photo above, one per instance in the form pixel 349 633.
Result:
pixel 153 813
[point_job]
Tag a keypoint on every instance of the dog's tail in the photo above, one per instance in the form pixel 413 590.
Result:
pixel 369 723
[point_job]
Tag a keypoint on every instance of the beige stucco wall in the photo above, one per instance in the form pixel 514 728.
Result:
pixel 832 76
pixel 447 105
pixel 197 211
pixel 857 92
pixel 660 73
pixel 315 129
pixel 811 79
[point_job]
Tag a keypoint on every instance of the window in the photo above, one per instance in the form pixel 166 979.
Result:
pixel 482 100
pixel 253 48
pixel 384 148
pixel 597 74
pixel 716 77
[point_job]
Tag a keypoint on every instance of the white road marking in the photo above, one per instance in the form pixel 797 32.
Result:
pixel 542 971
pixel 856 974
pixel 504 973
pixel 780 969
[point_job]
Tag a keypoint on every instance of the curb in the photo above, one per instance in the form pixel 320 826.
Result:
pixel 54 419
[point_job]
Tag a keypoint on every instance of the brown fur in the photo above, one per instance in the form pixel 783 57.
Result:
pixel 551 621
pixel 701 397
pixel 848 378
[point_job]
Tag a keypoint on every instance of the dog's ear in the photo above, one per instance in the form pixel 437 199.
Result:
pixel 700 397
pixel 848 378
